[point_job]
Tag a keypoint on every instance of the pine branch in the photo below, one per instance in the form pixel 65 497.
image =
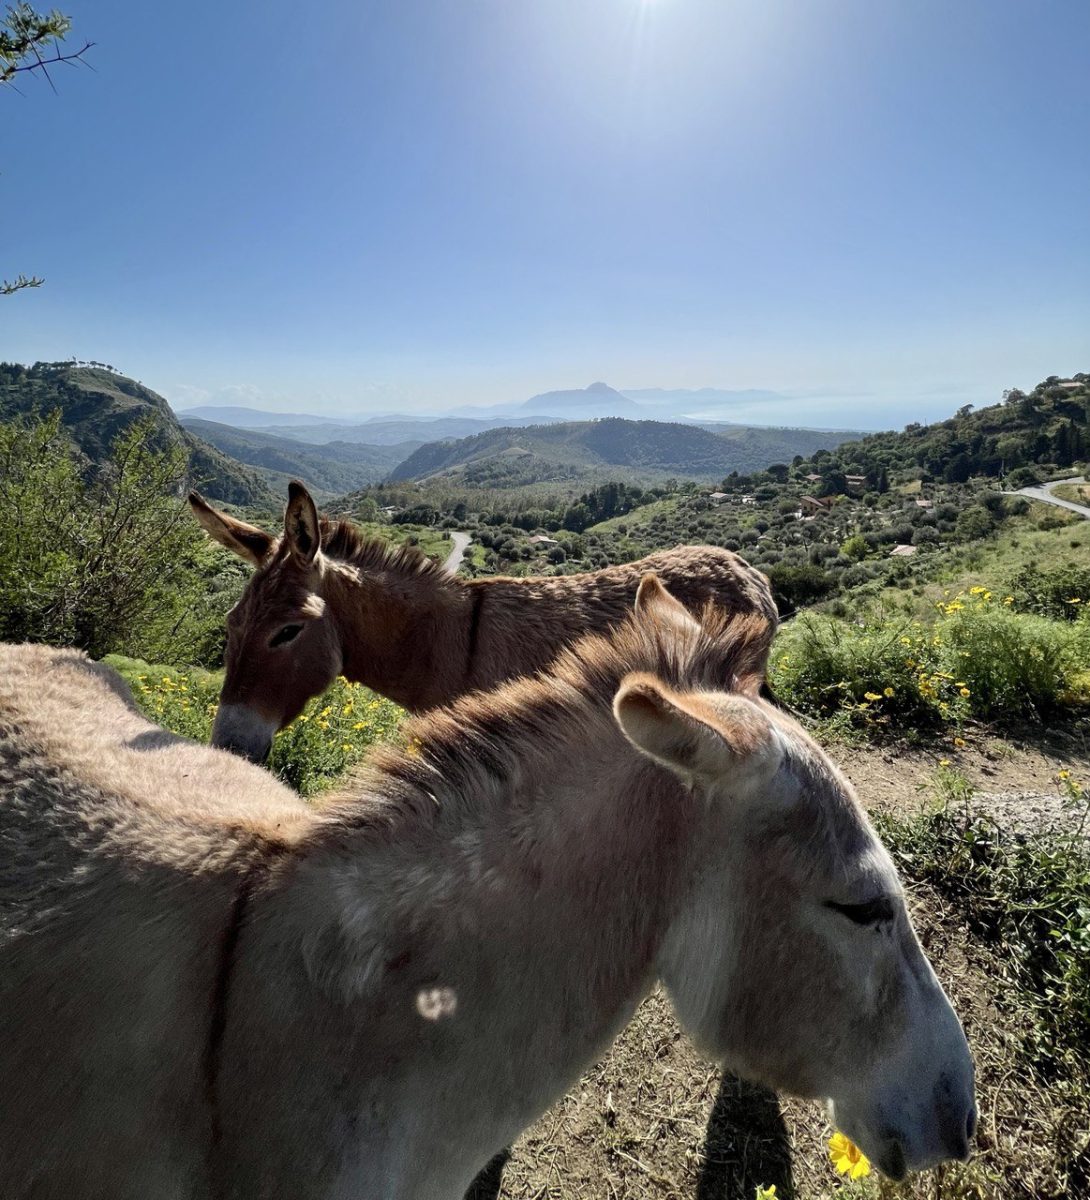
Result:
pixel 9 286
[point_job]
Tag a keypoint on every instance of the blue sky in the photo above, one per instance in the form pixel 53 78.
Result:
pixel 878 208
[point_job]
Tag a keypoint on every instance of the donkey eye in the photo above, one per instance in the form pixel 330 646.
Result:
pixel 287 634
pixel 873 912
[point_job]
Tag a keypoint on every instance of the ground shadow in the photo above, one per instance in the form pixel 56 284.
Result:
pixel 746 1145
pixel 487 1184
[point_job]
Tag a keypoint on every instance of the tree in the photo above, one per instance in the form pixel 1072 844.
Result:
pixel 24 35
pixel 106 562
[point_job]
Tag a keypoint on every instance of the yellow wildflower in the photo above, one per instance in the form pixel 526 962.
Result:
pixel 346 747
pixel 871 696
pixel 765 1193
pixel 977 591
pixel 887 692
pixel 1064 775
pixel 847 1157
pixel 323 724
pixel 360 725
pixel 959 742
pixel 964 692
pixel 944 762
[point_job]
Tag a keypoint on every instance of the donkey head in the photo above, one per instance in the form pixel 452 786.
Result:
pixel 793 958
pixel 282 644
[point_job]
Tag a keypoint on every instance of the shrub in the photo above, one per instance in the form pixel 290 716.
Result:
pixel 1027 895
pixel 333 732
pixel 1061 594
pixel 109 559
pixel 978 658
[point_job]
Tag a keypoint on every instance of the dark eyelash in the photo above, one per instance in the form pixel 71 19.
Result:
pixel 871 913
pixel 286 635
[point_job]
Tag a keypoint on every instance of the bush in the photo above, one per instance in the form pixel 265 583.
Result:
pixel 106 560
pixel 333 732
pixel 1061 594
pixel 1029 896
pixel 978 659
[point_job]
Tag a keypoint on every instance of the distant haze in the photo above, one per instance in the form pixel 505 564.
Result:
pixel 747 406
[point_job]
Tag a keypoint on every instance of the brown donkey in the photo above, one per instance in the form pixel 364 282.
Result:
pixel 210 990
pixel 325 602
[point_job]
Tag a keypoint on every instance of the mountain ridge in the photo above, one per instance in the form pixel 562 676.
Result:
pixel 97 404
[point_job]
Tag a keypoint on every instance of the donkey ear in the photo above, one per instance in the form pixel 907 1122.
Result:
pixel 247 541
pixel 691 735
pixel 301 527
pixel 654 602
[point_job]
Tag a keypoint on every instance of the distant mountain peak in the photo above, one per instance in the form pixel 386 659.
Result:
pixel 598 400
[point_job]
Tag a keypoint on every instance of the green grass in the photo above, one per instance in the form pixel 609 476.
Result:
pixel 434 542
pixel 1077 493
pixel 976 658
pixel 332 734
pixel 992 562
pixel 1027 896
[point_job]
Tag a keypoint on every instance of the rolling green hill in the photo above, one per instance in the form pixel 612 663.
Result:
pixel 623 449
pixel 1048 427
pixel 96 404
pixel 328 469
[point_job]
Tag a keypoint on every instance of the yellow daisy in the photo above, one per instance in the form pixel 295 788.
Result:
pixel 847 1157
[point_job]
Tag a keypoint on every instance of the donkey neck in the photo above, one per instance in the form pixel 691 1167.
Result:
pixel 403 633
pixel 494 945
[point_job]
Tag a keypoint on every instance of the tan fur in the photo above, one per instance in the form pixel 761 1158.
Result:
pixel 211 992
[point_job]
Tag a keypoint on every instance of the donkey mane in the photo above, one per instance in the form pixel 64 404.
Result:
pixel 341 540
pixel 484 738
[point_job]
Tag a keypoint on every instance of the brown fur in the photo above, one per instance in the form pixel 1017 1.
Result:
pixel 395 620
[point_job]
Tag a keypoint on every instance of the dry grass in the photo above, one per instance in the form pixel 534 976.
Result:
pixel 653 1121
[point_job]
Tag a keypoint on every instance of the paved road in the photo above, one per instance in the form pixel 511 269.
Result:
pixel 461 545
pixel 1044 492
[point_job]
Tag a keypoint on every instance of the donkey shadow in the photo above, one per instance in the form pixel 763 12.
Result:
pixel 746 1146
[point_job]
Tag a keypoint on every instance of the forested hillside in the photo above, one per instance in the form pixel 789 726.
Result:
pixel 1049 426
pixel 332 468
pixel 585 449
pixel 97 404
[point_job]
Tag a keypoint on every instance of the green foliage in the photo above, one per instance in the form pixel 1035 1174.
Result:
pixel 1028 896
pixel 332 734
pixel 796 587
pixel 1062 593
pixel 977 659
pixel 331 468
pixel 24 33
pixel 579 450
pixel 107 562
pixel 96 404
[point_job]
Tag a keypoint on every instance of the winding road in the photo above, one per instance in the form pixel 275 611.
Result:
pixel 461 545
pixel 1044 492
